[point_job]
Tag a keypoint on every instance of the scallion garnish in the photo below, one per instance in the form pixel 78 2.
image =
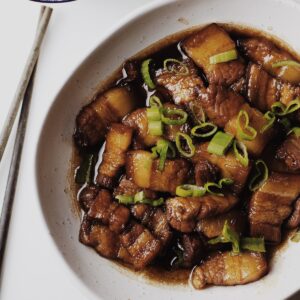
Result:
pixel 155 101
pixel 228 235
pixel 270 117
pixel 220 143
pixel 223 57
pixel 138 198
pixel 285 63
pixel 280 109
pixel 244 130
pixel 241 153
pixel 292 106
pixel 253 244
pixel 154 121
pixel 163 149
pixel 296 131
pixel 153 113
pixel 204 130
pixel 189 143
pixel 190 190
pixel 262 174
pixel 84 174
pixel 167 113
pixel 184 69
pixel 145 70
pixel 214 188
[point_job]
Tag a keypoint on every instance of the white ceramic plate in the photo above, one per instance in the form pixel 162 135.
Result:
pixel 98 277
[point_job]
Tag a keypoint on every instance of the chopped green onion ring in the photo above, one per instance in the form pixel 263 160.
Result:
pixel 206 129
pixel 296 131
pixel 278 108
pixel 270 117
pixel 146 74
pixel 163 149
pixel 185 70
pixel 139 198
pixel 285 63
pixel 209 186
pixel 85 172
pixel 292 106
pixel 174 112
pixel 189 142
pixel 155 128
pixel 241 153
pixel 155 101
pixel 220 143
pixel 125 199
pixel 190 190
pixel 253 244
pixel 223 57
pixel 153 113
pixel 244 131
pixel 262 174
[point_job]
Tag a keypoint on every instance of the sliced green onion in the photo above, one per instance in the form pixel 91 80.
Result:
pixel 223 57
pixel 262 174
pixel 241 153
pixel 84 174
pixel 153 113
pixel 190 190
pixel 155 128
pixel 244 131
pixel 270 117
pixel 155 101
pixel 189 143
pixel 163 149
pixel 253 244
pixel 278 108
pixel 295 130
pixel 285 63
pixel 174 112
pixel 185 70
pixel 292 106
pixel 125 199
pixel 138 197
pixel 210 187
pixel 146 74
pixel 296 237
pixel 220 143
pixel 204 130
pixel 228 235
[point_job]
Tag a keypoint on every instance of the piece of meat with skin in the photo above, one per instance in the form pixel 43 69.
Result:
pixel 182 86
pixel 142 169
pixel 294 219
pixel 183 213
pixel 128 188
pixel 87 196
pixel 118 140
pixel 94 119
pixel 208 42
pixel 192 249
pixel 289 154
pixel 228 165
pixel 271 204
pixel 220 104
pixel 212 226
pixel 257 121
pixel 109 212
pixel 205 172
pixel 266 53
pixel 227 269
pixel 100 237
pixel 240 86
pixel 138 246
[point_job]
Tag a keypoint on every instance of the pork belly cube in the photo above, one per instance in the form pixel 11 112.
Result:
pixel 266 53
pixel 180 81
pixel 227 269
pixel 87 196
pixel 138 247
pixel 220 104
pixel 271 204
pixel 228 166
pixel 118 140
pixel 183 213
pixel 257 121
pixel 205 172
pixel 95 118
pixel 208 42
pixel 143 170
pixel 294 219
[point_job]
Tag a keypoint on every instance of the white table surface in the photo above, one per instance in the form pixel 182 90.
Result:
pixel 31 266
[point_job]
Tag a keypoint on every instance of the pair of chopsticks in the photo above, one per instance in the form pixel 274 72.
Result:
pixel 22 96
